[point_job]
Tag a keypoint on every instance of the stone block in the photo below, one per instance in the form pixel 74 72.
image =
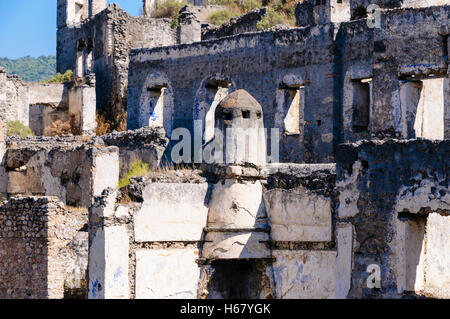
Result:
pixel 304 274
pixel 298 215
pixel 167 273
pixel 172 212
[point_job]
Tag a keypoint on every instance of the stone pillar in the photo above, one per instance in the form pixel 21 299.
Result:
pixel 108 251
pixel 88 107
pixel 82 106
pixel 237 225
pixel 313 12
pixel 189 26
pixel 2 138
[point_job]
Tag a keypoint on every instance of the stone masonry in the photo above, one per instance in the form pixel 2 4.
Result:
pixel 355 100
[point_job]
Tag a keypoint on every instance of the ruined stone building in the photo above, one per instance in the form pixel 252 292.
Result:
pixel 355 101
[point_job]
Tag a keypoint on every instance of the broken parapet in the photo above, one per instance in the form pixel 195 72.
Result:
pixel 146 144
pixel 245 23
pixel 189 26
pixel 43 249
pixel 395 196
pixel 74 172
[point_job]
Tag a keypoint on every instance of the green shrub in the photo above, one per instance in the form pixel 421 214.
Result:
pixel 138 168
pixel 271 19
pixel 61 78
pixel 221 16
pixel 174 23
pixel 16 128
pixel 169 9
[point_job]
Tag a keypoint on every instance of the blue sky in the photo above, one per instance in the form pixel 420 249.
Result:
pixel 28 27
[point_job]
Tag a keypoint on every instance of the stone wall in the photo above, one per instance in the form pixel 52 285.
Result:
pixel 137 249
pixel 101 44
pixel 349 78
pixel 43 249
pixel 146 144
pixel 71 171
pixel 288 230
pixel 356 5
pixel 267 65
pixel 82 107
pixel 39 105
pixel 13 98
pixel 394 195
pixel 73 168
pixel 172 222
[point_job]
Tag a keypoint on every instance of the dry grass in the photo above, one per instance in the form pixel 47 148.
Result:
pixel 58 128
pixel 104 125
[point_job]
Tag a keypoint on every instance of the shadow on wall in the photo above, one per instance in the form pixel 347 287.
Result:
pixel 156 103
pixel 422 103
pixel 238 279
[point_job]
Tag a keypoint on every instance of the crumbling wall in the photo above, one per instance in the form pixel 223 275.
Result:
pixel 13 98
pixel 357 6
pixel 82 107
pixel 48 103
pixel 42 249
pixel 300 204
pixel 394 195
pixel 67 169
pixel 146 144
pixel 101 44
pixel 38 105
pixel 349 85
pixel 148 249
pixel 311 12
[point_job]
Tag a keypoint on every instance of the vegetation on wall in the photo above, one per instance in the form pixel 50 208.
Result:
pixel 31 69
pixel 61 78
pixel 138 168
pixel 16 128
pixel 279 11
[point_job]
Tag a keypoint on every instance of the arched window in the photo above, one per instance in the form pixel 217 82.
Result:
pixel 80 63
pixel 211 92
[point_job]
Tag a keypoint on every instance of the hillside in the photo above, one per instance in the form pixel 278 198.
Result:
pixel 31 69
